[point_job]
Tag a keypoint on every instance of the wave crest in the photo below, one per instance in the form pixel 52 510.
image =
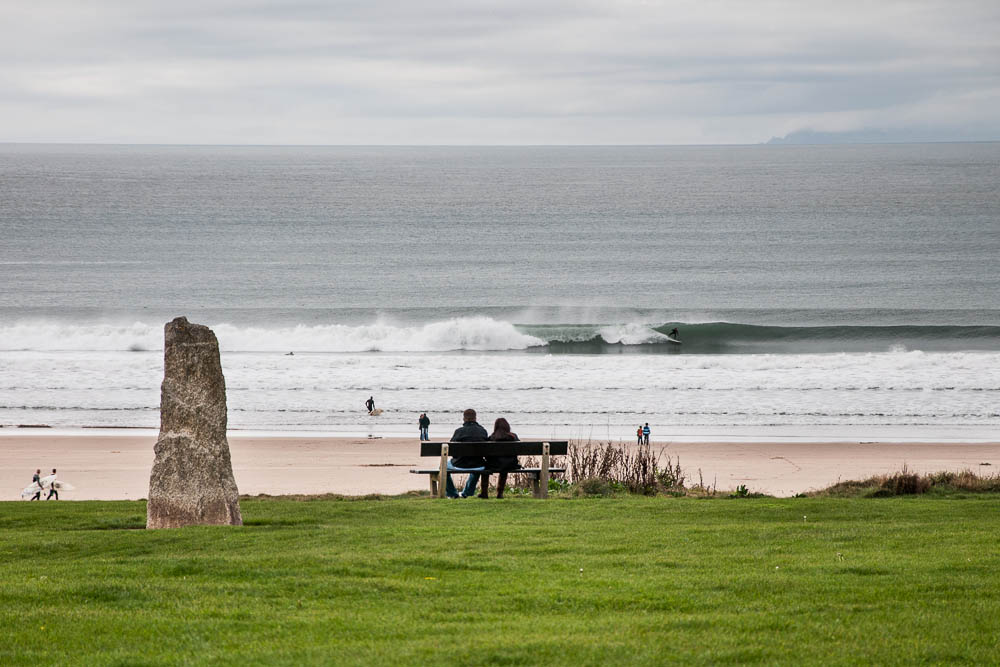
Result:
pixel 464 333
pixel 481 333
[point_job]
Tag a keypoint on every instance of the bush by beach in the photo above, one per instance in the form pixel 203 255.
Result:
pixel 609 468
pixel 615 468
pixel 907 483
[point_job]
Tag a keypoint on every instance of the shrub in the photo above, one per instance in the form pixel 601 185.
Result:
pixel 637 469
pixel 905 482
pixel 741 492
pixel 594 486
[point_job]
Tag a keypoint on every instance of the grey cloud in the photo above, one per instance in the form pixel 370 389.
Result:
pixel 370 72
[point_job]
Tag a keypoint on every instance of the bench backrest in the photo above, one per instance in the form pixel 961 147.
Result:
pixel 492 448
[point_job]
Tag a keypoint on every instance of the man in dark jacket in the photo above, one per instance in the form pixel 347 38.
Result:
pixel 424 423
pixel 470 431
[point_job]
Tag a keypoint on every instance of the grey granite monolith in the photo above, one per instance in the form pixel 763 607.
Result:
pixel 192 480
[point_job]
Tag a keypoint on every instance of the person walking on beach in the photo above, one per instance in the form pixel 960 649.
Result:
pixel 370 404
pixel 470 431
pixel 645 434
pixel 52 487
pixel 37 479
pixel 505 464
pixel 424 423
pixel 638 436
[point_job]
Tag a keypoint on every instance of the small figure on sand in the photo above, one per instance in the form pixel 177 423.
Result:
pixel 638 436
pixel 645 434
pixel 52 486
pixel 370 404
pixel 37 479
pixel 424 423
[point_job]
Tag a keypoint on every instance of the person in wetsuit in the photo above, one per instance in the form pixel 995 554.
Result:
pixel 37 479
pixel 52 487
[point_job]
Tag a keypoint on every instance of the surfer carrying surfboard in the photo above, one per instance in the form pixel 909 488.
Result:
pixel 52 487
pixel 37 479
pixel 370 404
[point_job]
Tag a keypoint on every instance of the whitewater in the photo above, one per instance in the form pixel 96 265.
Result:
pixel 314 379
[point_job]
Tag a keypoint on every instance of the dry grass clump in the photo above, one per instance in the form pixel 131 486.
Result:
pixel 904 483
pixel 606 468
pixel 635 470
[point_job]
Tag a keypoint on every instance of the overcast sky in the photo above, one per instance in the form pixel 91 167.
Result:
pixel 515 72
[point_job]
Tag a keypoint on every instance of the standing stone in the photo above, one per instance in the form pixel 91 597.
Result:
pixel 192 480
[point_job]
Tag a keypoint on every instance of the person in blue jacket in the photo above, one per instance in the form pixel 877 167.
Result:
pixel 645 434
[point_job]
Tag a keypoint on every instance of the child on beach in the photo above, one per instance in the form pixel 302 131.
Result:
pixel 638 436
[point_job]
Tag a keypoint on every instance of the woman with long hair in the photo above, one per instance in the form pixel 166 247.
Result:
pixel 501 432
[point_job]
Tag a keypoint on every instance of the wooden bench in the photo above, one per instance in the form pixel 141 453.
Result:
pixel 540 476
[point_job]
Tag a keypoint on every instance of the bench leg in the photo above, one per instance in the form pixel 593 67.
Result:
pixel 434 485
pixel 534 486
pixel 443 472
pixel 544 483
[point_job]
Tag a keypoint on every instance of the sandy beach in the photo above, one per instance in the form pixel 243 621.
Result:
pixel 117 467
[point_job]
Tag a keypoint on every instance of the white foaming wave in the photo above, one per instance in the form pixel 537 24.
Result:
pixel 465 333
pixel 631 334
pixel 49 336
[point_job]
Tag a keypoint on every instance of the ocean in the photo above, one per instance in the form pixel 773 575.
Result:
pixel 820 292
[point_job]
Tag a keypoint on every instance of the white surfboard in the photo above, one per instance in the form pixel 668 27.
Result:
pixel 47 483
pixel 673 340
pixel 376 412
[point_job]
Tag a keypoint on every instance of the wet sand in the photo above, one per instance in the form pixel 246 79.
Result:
pixel 117 467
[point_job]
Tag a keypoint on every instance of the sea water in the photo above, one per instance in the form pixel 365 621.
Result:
pixel 820 291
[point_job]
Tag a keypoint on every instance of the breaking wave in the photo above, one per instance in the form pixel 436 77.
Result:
pixel 489 334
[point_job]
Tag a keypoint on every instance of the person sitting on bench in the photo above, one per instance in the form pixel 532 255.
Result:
pixel 501 432
pixel 470 431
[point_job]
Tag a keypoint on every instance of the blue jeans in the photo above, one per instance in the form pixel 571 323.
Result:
pixel 423 434
pixel 470 486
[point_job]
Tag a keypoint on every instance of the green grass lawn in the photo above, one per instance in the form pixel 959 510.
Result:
pixel 628 580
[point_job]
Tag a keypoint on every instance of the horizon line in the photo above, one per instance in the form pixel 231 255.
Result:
pixel 608 145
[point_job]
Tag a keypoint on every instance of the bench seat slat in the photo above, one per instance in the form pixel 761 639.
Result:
pixel 529 471
pixel 495 448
